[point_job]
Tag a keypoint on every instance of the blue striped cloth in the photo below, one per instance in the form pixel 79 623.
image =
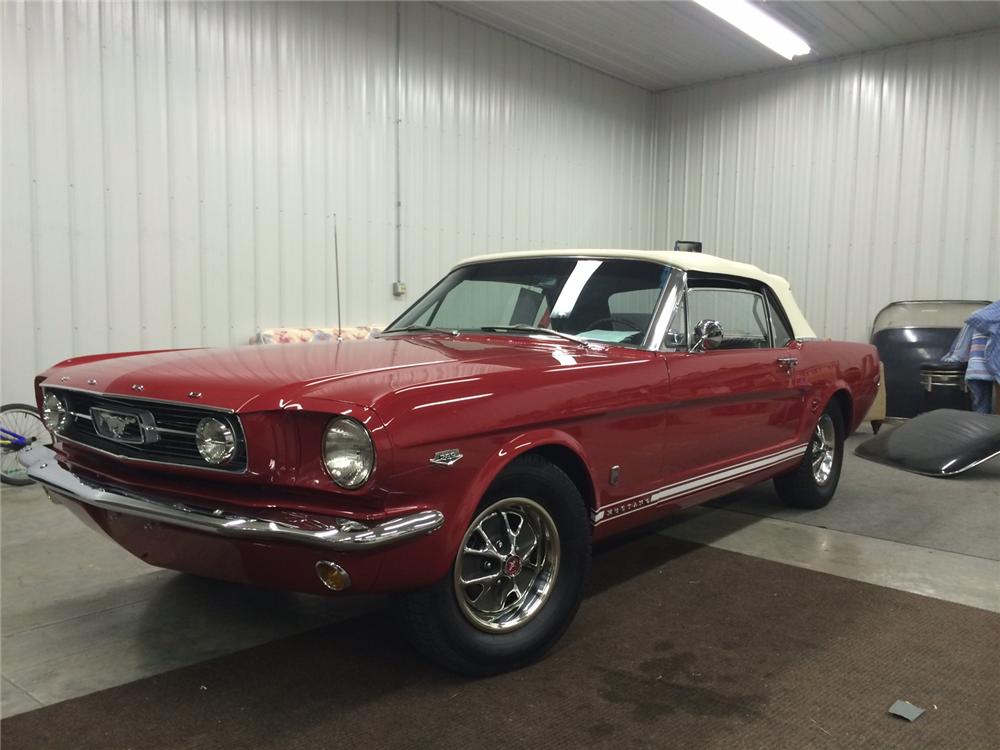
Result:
pixel 978 343
pixel 978 369
pixel 984 349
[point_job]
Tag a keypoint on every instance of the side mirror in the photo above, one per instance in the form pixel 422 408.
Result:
pixel 707 335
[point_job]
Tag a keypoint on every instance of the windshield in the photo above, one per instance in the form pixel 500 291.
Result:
pixel 610 301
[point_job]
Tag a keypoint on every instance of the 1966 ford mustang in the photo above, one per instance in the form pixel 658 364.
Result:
pixel 467 458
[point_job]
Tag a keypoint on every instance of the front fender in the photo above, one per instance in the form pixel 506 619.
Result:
pixel 511 450
pixel 423 561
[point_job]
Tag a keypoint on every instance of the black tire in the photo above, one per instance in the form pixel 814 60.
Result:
pixel 438 626
pixel 802 488
pixel 10 456
pixel 876 426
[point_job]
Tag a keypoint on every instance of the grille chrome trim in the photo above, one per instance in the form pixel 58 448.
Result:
pixel 165 402
pixel 103 420
pixel 151 461
pixel 171 431
pixel 175 453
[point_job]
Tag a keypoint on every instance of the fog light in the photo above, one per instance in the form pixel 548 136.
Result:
pixel 215 440
pixel 332 575
pixel 54 412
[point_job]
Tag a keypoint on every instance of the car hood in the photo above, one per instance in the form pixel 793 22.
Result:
pixel 256 378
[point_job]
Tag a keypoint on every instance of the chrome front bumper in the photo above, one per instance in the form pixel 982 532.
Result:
pixel 325 532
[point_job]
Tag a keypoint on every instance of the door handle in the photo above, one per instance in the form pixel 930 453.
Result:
pixel 787 363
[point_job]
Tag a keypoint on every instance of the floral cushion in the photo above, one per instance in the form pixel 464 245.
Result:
pixel 309 335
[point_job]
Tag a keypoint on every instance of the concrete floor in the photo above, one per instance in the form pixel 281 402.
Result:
pixel 79 614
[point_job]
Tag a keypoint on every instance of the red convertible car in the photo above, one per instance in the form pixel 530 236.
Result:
pixel 468 457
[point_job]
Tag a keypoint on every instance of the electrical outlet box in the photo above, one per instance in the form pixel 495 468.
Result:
pixel 398 288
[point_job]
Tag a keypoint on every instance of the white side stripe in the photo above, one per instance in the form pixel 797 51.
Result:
pixel 746 468
pixel 645 500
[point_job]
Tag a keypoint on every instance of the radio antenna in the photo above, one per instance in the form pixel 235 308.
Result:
pixel 336 270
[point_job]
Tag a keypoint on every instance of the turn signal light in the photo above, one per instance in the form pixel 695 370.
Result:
pixel 332 575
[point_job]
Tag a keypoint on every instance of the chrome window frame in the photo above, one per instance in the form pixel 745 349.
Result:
pixel 774 305
pixel 671 300
pixel 763 299
pixel 666 305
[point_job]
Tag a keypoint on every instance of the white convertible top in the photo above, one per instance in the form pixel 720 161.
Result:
pixel 686 261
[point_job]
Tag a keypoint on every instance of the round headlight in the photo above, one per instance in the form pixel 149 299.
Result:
pixel 215 440
pixel 54 412
pixel 348 452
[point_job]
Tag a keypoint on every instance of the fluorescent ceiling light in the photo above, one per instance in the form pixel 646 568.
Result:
pixel 754 22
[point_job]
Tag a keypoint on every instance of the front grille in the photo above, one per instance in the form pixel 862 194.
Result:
pixel 173 425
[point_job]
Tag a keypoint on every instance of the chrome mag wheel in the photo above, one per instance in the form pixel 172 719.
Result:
pixel 824 449
pixel 507 565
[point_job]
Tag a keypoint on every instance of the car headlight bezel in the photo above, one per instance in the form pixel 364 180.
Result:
pixel 348 452
pixel 215 439
pixel 54 404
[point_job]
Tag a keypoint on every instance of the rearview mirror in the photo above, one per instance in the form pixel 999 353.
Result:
pixel 707 335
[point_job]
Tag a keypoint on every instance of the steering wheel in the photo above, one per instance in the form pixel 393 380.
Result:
pixel 612 320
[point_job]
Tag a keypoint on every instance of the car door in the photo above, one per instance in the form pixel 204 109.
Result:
pixel 736 402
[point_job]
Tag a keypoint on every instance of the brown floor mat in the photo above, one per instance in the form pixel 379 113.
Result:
pixel 675 646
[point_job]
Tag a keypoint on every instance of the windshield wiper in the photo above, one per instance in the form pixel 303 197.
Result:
pixel 410 329
pixel 541 329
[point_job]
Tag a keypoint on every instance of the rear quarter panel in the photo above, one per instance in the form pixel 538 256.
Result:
pixel 828 367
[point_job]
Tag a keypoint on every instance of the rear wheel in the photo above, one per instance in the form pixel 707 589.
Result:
pixel 516 581
pixel 812 484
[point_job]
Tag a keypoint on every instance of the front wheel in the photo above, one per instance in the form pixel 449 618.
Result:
pixel 516 581
pixel 812 484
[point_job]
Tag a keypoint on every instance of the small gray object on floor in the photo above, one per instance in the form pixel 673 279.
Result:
pixel 905 710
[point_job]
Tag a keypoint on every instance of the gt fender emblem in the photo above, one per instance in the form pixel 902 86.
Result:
pixel 448 457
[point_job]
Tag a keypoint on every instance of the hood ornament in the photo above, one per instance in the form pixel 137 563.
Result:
pixel 137 386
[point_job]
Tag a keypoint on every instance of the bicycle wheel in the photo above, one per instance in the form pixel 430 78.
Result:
pixel 22 426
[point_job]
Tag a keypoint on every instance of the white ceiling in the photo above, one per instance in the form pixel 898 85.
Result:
pixel 662 45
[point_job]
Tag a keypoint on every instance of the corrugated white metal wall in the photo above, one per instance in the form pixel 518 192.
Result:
pixel 508 146
pixel 863 180
pixel 171 170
